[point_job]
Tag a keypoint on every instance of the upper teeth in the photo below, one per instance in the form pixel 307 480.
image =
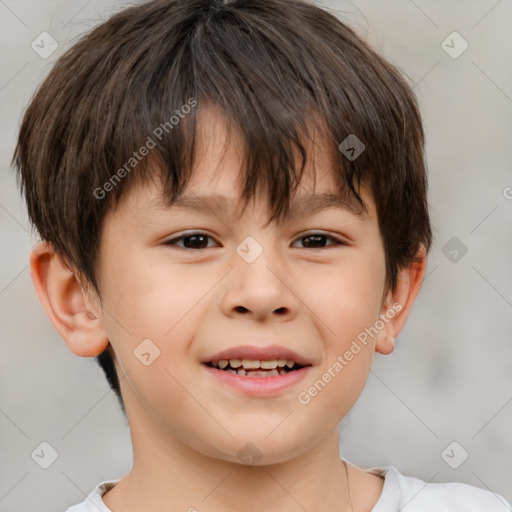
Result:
pixel 250 364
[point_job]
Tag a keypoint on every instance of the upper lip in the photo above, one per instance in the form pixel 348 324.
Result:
pixel 258 353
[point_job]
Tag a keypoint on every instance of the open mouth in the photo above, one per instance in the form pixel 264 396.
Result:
pixel 254 368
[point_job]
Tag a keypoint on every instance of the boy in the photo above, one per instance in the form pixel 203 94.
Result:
pixel 252 126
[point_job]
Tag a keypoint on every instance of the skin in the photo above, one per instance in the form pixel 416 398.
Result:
pixel 186 427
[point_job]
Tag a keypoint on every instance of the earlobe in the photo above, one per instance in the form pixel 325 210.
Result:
pixel 399 301
pixel 74 313
pixel 385 345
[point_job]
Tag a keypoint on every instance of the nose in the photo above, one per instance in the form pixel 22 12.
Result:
pixel 261 289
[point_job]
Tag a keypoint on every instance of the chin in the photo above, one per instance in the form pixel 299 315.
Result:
pixel 257 449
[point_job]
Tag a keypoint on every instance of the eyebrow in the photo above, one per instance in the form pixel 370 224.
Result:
pixel 308 204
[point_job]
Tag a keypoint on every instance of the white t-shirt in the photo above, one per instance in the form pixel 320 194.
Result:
pixel 399 493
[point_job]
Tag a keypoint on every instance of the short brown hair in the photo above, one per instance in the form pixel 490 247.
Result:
pixel 273 67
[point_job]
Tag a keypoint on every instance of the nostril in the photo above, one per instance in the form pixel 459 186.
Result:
pixel 241 309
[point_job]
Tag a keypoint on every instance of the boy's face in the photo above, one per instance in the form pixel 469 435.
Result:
pixel 193 304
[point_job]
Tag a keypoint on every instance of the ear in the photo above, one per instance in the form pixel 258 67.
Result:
pixel 398 302
pixel 74 313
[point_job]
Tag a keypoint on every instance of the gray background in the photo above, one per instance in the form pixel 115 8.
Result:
pixel 450 377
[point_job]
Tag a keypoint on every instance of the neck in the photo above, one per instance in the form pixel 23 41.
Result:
pixel 168 475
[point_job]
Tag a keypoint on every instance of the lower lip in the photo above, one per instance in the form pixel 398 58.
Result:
pixel 259 386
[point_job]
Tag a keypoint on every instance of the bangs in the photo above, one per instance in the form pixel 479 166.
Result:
pixel 276 104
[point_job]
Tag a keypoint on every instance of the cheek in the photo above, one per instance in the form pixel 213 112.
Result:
pixel 346 303
pixel 344 296
pixel 152 313
pixel 150 297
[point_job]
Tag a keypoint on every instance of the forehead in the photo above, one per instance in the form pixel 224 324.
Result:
pixel 216 181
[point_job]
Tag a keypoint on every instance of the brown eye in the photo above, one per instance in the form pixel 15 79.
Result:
pixel 317 241
pixel 192 241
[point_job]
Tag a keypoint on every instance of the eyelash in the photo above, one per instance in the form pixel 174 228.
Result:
pixel 199 233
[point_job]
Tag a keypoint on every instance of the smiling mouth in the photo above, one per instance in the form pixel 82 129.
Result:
pixel 255 368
